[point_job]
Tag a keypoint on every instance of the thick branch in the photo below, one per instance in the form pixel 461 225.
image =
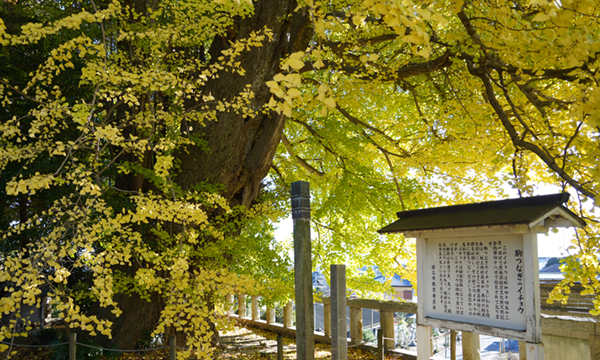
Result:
pixel 343 16
pixel 339 46
pixel 363 124
pixel 494 62
pixel 389 161
pixel 403 72
pixel 514 135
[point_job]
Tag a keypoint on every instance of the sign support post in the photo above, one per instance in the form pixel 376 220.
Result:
pixel 423 343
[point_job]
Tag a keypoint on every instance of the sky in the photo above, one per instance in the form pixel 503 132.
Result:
pixel 550 245
pixel 555 244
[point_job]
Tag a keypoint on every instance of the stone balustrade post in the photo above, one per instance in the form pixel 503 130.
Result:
pixel 470 346
pixel 270 315
pixel 356 325
pixel 242 305
pixel 386 319
pixel 327 319
pixel 287 314
pixel 229 304
pixel 255 310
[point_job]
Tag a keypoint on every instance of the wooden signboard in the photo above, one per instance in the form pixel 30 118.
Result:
pixel 477 266
pixel 479 283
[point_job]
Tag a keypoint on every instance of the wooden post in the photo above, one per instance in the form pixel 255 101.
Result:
pixel 279 347
pixel 305 322
pixel 327 319
pixel 229 304
pixel 242 305
pixel 172 349
pixel 356 325
pixel 270 315
pixel 255 311
pixel 423 343
pixel 430 341
pixel 380 348
pixel 523 350
pixel 452 344
pixel 72 345
pixel 531 284
pixel 339 327
pixel 422 331
pixel 386 319
pixel 535 351
pixel 287 314
pixel 470 346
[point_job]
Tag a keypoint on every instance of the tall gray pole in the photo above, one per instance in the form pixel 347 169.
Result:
pixel 305 336
pixel 339 325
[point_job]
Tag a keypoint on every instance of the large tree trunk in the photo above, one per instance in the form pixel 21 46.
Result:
pixel 133 327
pixel 241 149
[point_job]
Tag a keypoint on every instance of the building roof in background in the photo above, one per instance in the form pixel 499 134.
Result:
pixel 397 281
pixel 400 282
pixel 502 212
pixel 551 269
pixel 319 283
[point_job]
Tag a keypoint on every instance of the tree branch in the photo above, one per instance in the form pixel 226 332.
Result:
pixel 338 46
pixel 299 160
pixel 387 158
pixel 352 119
pixel 514 135
pixel 403 72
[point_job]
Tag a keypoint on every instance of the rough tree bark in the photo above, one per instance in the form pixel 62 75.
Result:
pixel 242 149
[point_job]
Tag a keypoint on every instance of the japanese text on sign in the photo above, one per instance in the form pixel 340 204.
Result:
pixel 478 281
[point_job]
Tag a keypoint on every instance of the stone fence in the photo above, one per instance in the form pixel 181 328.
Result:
pixel 565 336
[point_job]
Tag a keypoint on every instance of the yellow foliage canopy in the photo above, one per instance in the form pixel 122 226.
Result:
pixel 136 141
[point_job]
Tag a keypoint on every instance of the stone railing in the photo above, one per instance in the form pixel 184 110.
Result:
pixel 564 337
pixel 386 315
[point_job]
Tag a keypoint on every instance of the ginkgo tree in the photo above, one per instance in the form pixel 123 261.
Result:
pixel 147 145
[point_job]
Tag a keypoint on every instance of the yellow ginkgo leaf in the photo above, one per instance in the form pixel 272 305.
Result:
pixel 330 102
pixel 541 17
pixel 295 64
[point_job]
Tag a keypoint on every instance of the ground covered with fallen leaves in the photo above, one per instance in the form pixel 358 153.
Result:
pixel 238 344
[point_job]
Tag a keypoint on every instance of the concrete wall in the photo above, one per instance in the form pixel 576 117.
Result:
pixel 564 348
pixel 569 337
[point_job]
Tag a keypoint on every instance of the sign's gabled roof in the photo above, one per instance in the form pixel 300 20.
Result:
pixel 530 210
